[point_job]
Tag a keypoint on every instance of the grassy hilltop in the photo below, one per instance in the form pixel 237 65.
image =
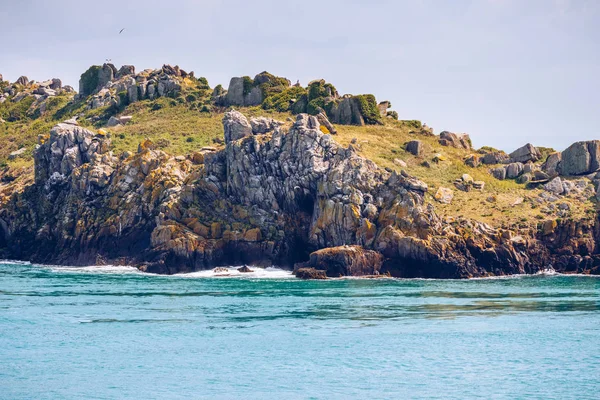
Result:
pixel 187 122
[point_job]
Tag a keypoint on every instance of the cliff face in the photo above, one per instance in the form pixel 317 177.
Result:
pixel 271 196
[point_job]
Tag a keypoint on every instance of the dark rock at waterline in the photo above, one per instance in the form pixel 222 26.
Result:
pixel 310 273
pixel 346 261
pixel 245 269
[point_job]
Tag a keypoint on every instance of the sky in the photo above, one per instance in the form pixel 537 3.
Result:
pixel 507 72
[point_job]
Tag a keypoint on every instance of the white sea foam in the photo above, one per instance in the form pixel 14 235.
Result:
pixel 232 272
pixel 6 262
pixel 95 269
pixel 221 272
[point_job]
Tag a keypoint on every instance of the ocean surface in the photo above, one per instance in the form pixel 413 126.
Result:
pixel 114 333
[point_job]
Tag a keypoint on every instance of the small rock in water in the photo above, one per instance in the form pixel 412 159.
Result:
pixel 245 269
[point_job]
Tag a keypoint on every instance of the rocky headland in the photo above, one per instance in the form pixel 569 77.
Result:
pixel 279 192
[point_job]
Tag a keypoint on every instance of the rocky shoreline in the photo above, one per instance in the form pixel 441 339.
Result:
pixel 277 193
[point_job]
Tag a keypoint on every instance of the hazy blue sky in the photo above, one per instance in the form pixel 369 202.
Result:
pixel 505 71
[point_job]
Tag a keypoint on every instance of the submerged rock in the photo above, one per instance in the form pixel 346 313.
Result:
pixel 245 269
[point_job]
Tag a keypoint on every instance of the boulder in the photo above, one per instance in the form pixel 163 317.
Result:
pixel 499 173
pixel 472 160
pixel 23 80
pixel 580 158
pixel 478 185
pixel 540 176
pixel 458 140
pixel 495 157
pixel 525 178
pixel 235 126
pixel 310 273
pixel 444 195
pixel 346 261
pixel 346 111
pixel 242 92
pixel 245 269
pixel 399 163
pixel 555 186
pixel 106 74
pixel 324 121
pixel 513 170
pixel 551 164
pixel 526 153
pixel 17 153
pixel 125 70
pixel 114 121
pixel 383 108
pixel 415 147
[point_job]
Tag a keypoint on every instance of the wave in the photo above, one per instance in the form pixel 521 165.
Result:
pixel 221 272
pixel 95 269
pixel 232 272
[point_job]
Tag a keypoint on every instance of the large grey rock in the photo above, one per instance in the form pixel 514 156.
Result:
pixel 125 70
pixel 555 186
pixel 415 147
pixel 580 158
pixel 444 195
pixel 237 95
pixel 235 126
pixel 526 153
pixel 552 163
pixel 346 111
pixel 499 173
pixel 106 74
pixel 23 80
pixel 168 86
pixel 458 140
pixel 513 170
pixel 495 158
pixel 17 153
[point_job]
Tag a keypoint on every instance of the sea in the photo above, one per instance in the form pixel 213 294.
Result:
pixel 111 332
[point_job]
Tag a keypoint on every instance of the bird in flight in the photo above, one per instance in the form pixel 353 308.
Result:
pixel 121 31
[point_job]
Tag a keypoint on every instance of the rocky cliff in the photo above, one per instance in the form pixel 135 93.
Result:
pixel 271 195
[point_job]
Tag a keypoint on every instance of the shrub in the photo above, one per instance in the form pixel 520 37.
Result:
pixel 282 101
pixel 413 123
pixel 189 139
pixel 18 111
pixel 190 98
pixel 368 108
pixel 315 105
pixel 248 85
pixel 321 89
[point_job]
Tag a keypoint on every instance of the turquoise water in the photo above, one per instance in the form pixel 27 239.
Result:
pixel 112 333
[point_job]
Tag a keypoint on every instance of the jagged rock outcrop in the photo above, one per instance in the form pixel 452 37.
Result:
pixel 266 198
pixel 110 86
pixel 526 153
pixel 458 140
pixel 236 126
pixel 342 261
